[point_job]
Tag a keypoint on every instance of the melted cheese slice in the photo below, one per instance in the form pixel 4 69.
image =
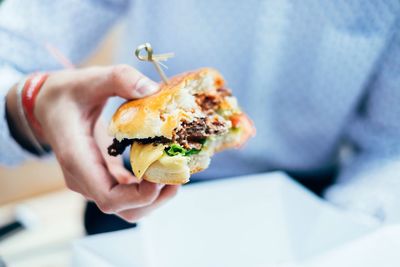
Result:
pixel 142 156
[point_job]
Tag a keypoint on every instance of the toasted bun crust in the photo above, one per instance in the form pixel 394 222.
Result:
pixel 159 174
pixel 160 114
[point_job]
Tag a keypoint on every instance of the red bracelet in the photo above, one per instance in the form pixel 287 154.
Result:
pixel 29 93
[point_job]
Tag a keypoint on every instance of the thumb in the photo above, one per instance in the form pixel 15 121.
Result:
pixel 121 80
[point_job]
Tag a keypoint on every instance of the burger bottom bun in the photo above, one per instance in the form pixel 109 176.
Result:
pixel 161 174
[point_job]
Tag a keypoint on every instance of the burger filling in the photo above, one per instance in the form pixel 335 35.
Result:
pixel 189 138
pixel 118 147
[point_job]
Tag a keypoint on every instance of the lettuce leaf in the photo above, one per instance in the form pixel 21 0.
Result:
pixel 176 149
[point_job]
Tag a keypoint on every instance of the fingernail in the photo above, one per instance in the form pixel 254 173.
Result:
pixel 160 186
pixel 145 87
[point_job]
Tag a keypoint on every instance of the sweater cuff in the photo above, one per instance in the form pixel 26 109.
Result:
pixel 11 153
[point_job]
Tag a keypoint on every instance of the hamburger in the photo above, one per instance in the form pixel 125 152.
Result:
pixel 173 133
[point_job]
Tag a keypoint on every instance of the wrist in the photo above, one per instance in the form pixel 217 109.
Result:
pixel 20 128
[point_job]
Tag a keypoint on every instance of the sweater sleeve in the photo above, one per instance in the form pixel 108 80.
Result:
pixel 29 28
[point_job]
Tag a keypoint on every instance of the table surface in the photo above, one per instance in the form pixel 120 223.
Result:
pixel 259 220
pixel 57 222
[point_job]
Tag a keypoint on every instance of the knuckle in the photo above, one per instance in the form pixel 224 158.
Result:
pixel 149 197
pixel 87 197
pixel 174 193
pixel 105 206
pixel 71 186
pixel 118 72
pixel 131 217
pixel 65 159
pixel 62 160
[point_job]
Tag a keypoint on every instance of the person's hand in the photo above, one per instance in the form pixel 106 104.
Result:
pixel 68 108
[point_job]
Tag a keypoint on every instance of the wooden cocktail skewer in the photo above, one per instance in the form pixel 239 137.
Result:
pixel 155 59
